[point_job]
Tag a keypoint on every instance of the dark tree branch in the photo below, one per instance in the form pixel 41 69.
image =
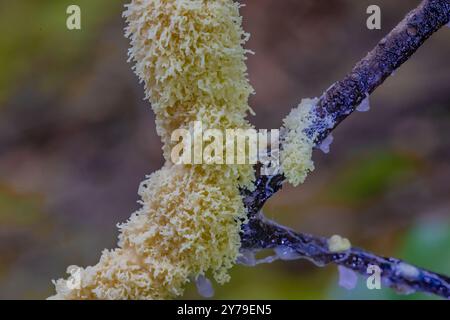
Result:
pixel 390 53
pixel 336 104
pixel 261 233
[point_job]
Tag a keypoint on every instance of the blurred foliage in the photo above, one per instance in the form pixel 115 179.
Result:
pixel 369 176
pixel 19 210
pixel 22 222
pixel 427 245
pixel 35 37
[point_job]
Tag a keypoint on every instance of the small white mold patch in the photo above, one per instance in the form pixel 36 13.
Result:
pixel 325 144
pixel 286 253
pixel 408 271
pixel 337 243
pixel 204 287
pixel 347 278
pixel 364 106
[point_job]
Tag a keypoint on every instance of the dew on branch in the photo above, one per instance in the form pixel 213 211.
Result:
pixel 324 146
pixel 246 258
pixel 364 106
pixel 204 286
pixel 347 278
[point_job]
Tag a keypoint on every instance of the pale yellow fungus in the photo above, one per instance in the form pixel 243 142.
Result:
pixel 296 154
pixel 338 244
pixel 190 57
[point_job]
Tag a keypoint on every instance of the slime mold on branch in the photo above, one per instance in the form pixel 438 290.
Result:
pixel 189 54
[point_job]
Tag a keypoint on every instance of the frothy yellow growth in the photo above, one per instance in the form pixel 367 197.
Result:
pixel 338 244
pixel 186 227
pixel 296 155
pixel 190 57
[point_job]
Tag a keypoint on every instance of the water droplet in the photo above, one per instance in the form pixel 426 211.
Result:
pixel 325 144
pixel 204 287
pixel 347 278
pixel 247 258
pixel 364 106
pixel 268 259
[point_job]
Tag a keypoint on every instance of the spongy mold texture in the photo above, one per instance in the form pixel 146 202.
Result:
pixel 189 54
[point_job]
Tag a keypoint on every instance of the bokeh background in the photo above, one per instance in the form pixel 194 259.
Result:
pixel 76 138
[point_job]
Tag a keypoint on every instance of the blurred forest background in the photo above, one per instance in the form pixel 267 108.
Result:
pixel 76 138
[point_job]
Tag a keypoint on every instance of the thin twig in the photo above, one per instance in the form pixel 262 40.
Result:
pixel 336 104
pixel 262 233
pixel 341 99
